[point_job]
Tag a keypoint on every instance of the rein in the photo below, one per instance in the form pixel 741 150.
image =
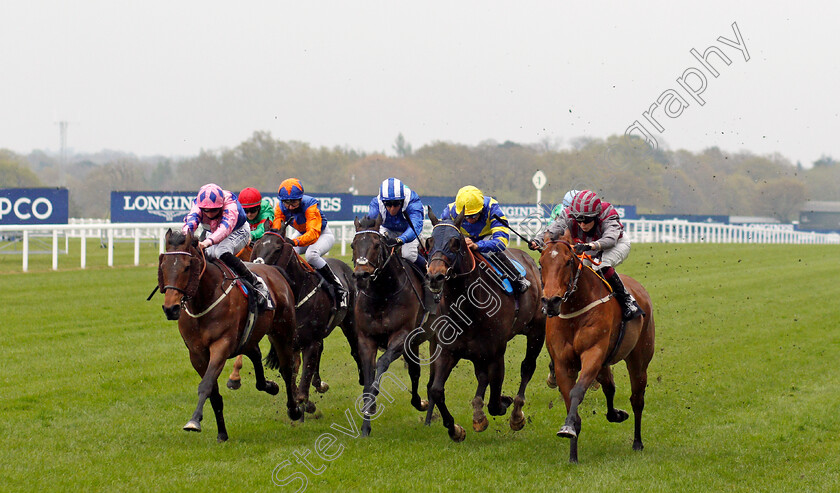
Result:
pixel 573 283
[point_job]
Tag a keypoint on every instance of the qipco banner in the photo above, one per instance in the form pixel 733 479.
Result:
pixel 150 207
pixel 34 206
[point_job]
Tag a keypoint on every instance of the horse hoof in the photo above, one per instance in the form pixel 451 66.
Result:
pixel 322 388
pixel 617 416
pixel 424 405
pixel 506 401
pixel 567 432
pixel 637 446
pixel 192 425
pixel 551 381
pixel 221 438
pixel 271 388
pixel 234 384
pixel 310 407
pixel 481 425
pixel 295 414
pixel 458 434
pixel 517 423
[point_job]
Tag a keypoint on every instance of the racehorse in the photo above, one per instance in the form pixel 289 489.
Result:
pixel 213 317
pixel 388 308
pixel 584 337
pixel 315 312
pixel 476 321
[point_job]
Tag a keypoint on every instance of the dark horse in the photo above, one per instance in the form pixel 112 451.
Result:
pixel 388 308
pixel 212 316
pixel 584 338
pixel 315 312
pixel 476 321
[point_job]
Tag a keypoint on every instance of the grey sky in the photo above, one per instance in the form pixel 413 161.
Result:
pixel 172 78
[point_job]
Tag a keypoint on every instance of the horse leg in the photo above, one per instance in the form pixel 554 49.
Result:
pixel 637 368
pixel 349 331
pixel 480 422
pixel 550 380
pixel 444 365
pixel 208 382
pixel 536 339
pixel 414 375
pixel 286 366
pixel 218 406
pixel 605 378
pixel 262 384
pixel 590 362
pixel 234 380
pixel 498 404
pixel 309 362
pixel 367 353
pixel 319 385
pixel 565 382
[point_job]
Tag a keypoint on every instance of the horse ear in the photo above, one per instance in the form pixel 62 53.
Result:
pixel 566 235
pixel 432 217
pixel 377 223
pixel 460 218
pixel 357 223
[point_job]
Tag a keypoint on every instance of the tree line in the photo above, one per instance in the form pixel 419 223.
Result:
pixel 623 170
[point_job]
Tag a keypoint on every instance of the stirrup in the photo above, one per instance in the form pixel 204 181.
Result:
pixel 265 301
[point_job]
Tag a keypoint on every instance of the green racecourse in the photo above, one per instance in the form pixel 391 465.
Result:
pixel 743 395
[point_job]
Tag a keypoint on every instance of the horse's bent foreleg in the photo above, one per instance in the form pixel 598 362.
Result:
pixel 319 385
pixel 414 375
pixel 308 363
pixel 262 384
pixel 234 380
pixel 349 331
pixel 498 404
pixel 218 407
pixel 605 378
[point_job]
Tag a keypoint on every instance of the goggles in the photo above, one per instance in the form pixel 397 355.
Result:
pixel 251 210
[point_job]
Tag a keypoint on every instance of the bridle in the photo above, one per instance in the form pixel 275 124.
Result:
pixel 572 286
pixel 192 285
pixel 452 257
pixel 365 261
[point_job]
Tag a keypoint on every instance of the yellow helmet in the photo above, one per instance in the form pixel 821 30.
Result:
pixel 469 198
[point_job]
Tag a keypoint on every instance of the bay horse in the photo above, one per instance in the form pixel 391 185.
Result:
pixel 212 316
pixel 387 309
pixel 314 310
pixel 584 337
pixel 476 320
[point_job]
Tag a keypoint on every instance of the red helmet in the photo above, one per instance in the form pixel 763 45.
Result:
pixel 250 197
pixel 586 204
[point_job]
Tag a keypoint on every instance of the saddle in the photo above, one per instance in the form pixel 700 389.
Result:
pixel 250 295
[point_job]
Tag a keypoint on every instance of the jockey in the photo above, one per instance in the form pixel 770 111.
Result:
pixel 258 211
pixel 567 201
pixel 310 233
pixel 402 218
pixel 486 230
pixel 595 227
pixel 223 218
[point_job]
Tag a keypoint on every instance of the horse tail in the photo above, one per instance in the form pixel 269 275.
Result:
pixel 272 361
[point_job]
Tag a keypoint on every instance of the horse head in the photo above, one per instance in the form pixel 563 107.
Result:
pixel 370 254
pixel 447 247
pixel 561 269
pixel 179 271
pixel 272 248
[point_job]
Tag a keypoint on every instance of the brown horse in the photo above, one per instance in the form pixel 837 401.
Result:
pixel 212 315
pixel 315 311
pixel 387 310
pixel 476 320
pixel 584 338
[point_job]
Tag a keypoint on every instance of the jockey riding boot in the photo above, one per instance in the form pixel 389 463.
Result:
pixel 629 308
pixel 520 284
pixel 264 301
pixel 331 278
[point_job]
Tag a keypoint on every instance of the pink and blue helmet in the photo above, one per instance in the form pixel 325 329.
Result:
pixel 210 196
